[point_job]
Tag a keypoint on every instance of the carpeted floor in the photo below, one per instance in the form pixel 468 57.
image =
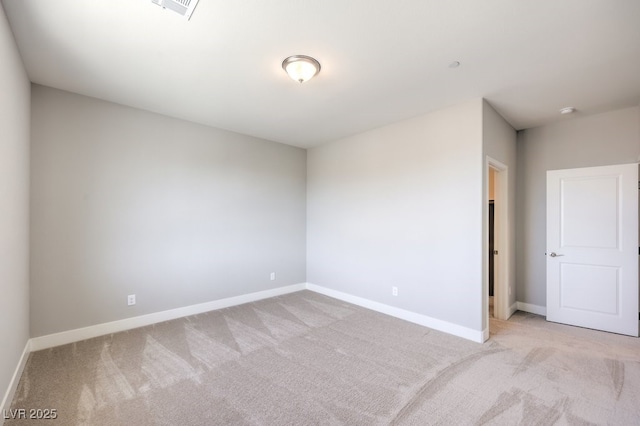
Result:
pixel 306 359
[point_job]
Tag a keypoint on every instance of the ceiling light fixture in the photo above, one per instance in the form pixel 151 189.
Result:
pixel 182 7
pixel 301 68
pixel 567 110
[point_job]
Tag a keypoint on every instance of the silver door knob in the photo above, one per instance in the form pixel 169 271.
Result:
pixel 555 255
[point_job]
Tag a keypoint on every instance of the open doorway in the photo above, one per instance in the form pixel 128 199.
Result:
pixel 496 296
pixel 491 254
pixel 493 251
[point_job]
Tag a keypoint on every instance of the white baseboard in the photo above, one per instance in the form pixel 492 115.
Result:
pixel 533 309
pixel 512 310
pixel 436 324
pixel 15 380
pixel 65 337
pixel 70 336
pixel 485 334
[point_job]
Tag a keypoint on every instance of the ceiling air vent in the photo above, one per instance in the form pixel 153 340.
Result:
pixel 182 7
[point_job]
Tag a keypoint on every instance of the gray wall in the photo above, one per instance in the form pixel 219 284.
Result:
pixel 499 141
pixel 402 206
pixel 14 206
pixel 126 201
pixel 599 140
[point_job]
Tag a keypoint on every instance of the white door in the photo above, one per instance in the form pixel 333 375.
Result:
pixel 592 248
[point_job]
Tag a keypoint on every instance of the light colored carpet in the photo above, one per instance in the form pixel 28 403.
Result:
pixel 308 359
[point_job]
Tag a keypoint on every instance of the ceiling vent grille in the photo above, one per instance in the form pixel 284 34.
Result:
pixel 182 7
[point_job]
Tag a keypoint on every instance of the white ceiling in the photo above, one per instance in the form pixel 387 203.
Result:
pixel 382 60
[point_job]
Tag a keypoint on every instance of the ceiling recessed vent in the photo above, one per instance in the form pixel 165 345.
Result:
pixel 182 7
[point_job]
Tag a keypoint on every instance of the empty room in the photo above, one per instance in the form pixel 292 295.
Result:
pixel 296 212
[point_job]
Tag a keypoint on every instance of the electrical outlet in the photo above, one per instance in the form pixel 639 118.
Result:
pixel 394 291
pixel 273 276
pixel 131 299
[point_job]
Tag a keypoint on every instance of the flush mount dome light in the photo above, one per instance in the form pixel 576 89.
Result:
pixel 300 67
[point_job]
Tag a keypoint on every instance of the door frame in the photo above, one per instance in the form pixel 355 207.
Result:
pixel 501 243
